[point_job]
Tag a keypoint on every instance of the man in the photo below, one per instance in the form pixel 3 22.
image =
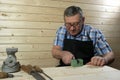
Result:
pixel 77 40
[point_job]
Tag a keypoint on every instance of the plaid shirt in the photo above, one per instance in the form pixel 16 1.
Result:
pixel 88 33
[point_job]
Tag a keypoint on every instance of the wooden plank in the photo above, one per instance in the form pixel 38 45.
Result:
pixel 29 25
pixel 42 33
pixel 26 40
pixel 31 9
pixel 27 47
pixel 105 15
pixel 49 11
pixel 97 2
pixel 51 18
pixel 102 21
pixel 112 28
pixel 113 35
pixel 29 55
pixel 27 32
pixel 116 53
pixel 113 40
pixel 49 25
pixel 52 3
pixel 30 17
pixel 115 48
pixel 41 63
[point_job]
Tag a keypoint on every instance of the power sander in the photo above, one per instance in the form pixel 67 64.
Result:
pixel 11 65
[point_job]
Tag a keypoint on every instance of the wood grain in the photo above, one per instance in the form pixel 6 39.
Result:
pixel 30 25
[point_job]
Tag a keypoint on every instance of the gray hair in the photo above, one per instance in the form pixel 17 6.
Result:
pixel 73 10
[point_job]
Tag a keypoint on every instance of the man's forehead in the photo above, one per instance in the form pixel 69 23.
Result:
pixel 72 18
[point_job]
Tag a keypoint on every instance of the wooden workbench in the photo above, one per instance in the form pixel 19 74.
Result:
pixel 86 72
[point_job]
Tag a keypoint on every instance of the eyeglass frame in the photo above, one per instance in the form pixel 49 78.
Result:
pixel 75 24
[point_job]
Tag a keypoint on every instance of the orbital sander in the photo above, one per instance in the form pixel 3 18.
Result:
pixel 11 65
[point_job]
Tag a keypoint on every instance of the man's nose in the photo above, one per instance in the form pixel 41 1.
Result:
pixel 72 27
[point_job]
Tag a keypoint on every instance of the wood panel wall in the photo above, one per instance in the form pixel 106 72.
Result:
pixel 30 26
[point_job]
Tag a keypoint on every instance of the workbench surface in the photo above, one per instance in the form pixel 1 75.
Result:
pixel 86 72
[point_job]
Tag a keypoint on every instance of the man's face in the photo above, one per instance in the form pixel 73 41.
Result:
pixel 74 24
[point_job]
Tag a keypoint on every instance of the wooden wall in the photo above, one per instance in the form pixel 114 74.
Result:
pixel 30 26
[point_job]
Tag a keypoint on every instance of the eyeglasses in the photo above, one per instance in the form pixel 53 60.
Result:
pixel 75 24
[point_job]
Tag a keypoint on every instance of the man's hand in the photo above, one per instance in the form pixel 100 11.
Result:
pixel 58 53
pixel 67 57
pixel 97 61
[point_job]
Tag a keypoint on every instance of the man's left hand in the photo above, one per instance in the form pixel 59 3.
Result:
pixel 97 61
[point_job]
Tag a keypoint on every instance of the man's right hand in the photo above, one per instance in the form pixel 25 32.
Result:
pixel 58 53
pixel 67 57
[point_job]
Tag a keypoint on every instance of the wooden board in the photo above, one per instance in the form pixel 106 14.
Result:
pixel 73 73
pixel 83 73
pixel 96 2
pixel 52 11
pixel 53 3
pixel 53 18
